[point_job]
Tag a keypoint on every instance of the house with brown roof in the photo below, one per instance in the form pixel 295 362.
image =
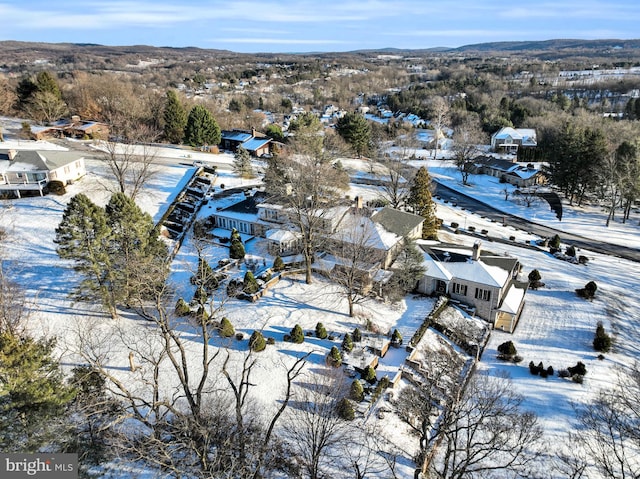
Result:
pixel 30 170
pixel 71 128
pixel 256 143
pixel 486 283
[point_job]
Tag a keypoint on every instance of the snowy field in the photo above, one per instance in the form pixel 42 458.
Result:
pixel 557 327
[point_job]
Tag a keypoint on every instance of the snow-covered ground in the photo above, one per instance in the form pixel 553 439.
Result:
pixel 557 326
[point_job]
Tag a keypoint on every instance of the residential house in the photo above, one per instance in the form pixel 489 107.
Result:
pixel 509 171
pixel 30 170
pixel 73 128
pixel 509 139
pixel 257 144
pixel 486 283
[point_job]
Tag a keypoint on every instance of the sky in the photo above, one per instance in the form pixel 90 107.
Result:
pixel 253 26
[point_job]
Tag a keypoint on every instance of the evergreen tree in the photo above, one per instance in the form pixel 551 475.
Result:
pixel 396 337
pixel 201 128
pixel 355 130
pixel 369 375
pixel 422 203
pixel 84 236
pixel 236 250
pixel 250 285
pixel 602 341
pixel 175 118
pixel 205 276
pixel 226 328
pixel 297 335
pixel 135 249
pixel 507 349
pixel 274 132
pixel 357 335
pixel 357 391
pixel 335 357
pixel 242 163
pixel 321 331
pixel 345 410
pixel 257 342
pixel 347 343
pixel 25 90
pixel 46 83
pixel 278 264
pixel 33 395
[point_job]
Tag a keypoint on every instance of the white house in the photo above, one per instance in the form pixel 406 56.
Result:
pixel 487 283
pixel 509 139
pixel 31 170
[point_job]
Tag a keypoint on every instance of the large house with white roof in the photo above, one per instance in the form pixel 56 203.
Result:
pixel 509 171
pixel 486 283
pixel 30 170
pixel 508 139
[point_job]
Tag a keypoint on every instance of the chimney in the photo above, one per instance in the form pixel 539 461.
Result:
pixel 359 203
pixel 253 132
pixel 11 154
pixel 476 251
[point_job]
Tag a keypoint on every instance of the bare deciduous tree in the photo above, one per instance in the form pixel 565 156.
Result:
pixel 609 427
pixel 467 139
pixel 314 431
pixel 439 118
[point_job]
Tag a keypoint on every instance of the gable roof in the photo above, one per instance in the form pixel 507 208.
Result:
pixel 254 144
pixel 398 222
pixel 32 160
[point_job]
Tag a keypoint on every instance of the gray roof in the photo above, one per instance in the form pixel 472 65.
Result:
pixel 398 222
pixel 33 160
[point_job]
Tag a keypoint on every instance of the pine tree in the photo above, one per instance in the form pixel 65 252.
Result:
pixel 175 118
pixel 355 130
pixel 321 331
pixel 396 338
pixel 84 236
pixel 507 349
pixel 297 335
pixel 422 203
pixel 602 341
pixel 46 83
pixel 257 342
pixel 347 343
pixel 33 395
pixel 242 163
pixel 357 391
pixel 250 285
pixel 201 128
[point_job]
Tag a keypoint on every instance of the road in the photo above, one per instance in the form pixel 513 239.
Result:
pixel 483 209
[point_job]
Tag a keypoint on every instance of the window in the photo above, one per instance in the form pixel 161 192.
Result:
pixel 460 289
pixel 483 294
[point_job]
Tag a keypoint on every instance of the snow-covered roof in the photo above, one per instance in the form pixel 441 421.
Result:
pixel 360 229
pixel 512 300
pixel 281 235
pixel 32 160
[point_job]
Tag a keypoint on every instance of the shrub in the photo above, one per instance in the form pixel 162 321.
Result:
pixel 507 349
pixel 257 342
pixel 347 343
pixel 356 335
pixel 602 341
pixel 297 335
pixel 56 187
pixel 571 251
pixel 236 250
pixel 396 338
pixel 534 276
pixel 226 328
pixel 278 264
pixel 239 336
pixel 287 338
pixel 345 410
pixel 250 285
pixel 335 357
pixel 182 308
pixel 583 259
pixel 579 369
pixel 533 369
pixel 271 341
pixel 357 391
pixel 369 375
pixel 550 371
pixel 321 331
pixel 589 290
pixel 454 225
pixel 554 242
pixel 200 296
pixel 472 228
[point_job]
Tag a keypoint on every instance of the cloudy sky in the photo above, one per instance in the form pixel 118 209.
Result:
pixel 319 25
